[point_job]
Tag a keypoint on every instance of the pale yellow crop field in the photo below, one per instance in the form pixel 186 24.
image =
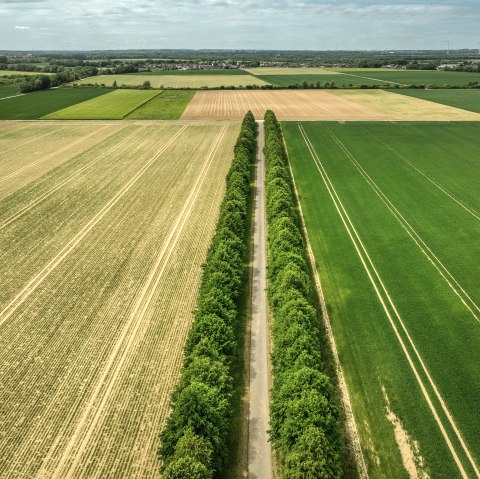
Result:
pixel 28 153
pixel 289 71
pixel 99 267
pixel 175 81
pixel 4 73
pixel 400 107
pixel 328 105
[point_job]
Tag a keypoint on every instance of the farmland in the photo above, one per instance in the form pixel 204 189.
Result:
pixel 290 71
pixel 8 90
pixel 168 105
pixel 319 105
pixel 35 105
pixel 4 73
pixel 340 81
pixel 174 81
pixel 101 260
pixel 392 213
pixel 113 106
pixel 194 72
pixel 465 99
pixel 412 77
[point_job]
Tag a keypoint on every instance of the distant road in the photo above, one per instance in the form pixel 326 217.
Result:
pixel 259 449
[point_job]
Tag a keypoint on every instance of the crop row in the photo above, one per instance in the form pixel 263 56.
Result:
pixel 305 421
pixel 193 442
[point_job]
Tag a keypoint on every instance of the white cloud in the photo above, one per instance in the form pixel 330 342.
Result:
pixel 20 27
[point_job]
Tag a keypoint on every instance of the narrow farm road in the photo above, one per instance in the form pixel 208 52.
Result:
pixel 259 450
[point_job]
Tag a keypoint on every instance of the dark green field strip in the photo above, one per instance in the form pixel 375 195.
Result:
pixel 442 330
pixel 233 71
pixel 8 90
pixel 413 77
pixel 167 105
pixel 35 105
pixel 339 80
pixel 466 99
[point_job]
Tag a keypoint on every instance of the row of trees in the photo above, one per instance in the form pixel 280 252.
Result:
pixel 43 82
pixel 305 422
pixel 193 443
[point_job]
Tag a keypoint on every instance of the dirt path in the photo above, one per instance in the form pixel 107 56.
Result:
pixel 259 450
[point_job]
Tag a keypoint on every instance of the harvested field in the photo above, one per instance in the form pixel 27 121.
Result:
pixel 98 281
pixel 342 105
pixel 28 153
pixel 398 107
pixel 175 81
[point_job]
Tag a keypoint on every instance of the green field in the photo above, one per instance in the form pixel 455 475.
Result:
pixel 167 105
pixel 413 77
pixel 35 105
pixel 393 215
pixel 113 106
pixel 8 90
pixel 338 79
pixel 467 99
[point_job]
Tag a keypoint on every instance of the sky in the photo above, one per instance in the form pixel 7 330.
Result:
pixel 238 24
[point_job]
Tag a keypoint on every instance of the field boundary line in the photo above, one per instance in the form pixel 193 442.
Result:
pixel 60 150
pixel 67 180
pixel 358 243
pixel 410 230
pixel 124 344
pixel 442 188
pixel 144 103
pixel 33 283
pixel 351 425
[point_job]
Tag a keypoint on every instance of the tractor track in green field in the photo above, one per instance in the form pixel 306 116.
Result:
pixel 401 332
pixel 438 185
pixel 464 297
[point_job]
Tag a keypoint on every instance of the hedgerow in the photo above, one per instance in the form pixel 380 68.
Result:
pixel 304 419
pixel 193 443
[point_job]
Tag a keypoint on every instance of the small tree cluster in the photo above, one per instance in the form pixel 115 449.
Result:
pixel 304 419
pixel 193 443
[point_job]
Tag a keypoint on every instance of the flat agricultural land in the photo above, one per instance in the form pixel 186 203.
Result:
pixel 341 105
pixel 340 81
pixel 393 216
pixel 223 72
pixel 289 71
pixel 8 90
pixel 5 73
pixel 112 106
pixel 168 105
pixel 40 103
pixel 175 81
pixel 100 264
pixel 459 98
pixel 411 77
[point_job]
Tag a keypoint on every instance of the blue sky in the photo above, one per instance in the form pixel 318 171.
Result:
pixel 246 24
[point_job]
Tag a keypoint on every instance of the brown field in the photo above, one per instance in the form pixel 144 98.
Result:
pixel 344 105
pixel 99 271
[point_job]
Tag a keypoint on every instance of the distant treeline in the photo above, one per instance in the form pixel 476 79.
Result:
pixel 193 443
pixel 306 430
